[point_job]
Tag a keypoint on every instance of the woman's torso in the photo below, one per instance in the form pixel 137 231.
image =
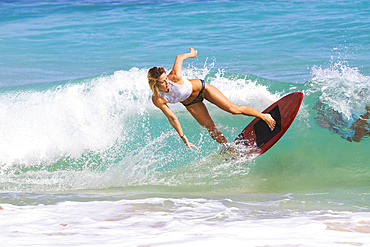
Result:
pixel 182 93
pixel 178 93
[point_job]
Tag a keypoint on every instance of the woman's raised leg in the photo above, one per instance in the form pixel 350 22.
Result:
pixel 213 95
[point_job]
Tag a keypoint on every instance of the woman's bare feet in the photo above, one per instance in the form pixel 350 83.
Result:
pixel 269 120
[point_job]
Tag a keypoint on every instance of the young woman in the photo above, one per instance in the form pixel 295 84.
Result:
pixel 172 88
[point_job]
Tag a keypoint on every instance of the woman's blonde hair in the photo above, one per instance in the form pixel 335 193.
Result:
pixel 153 76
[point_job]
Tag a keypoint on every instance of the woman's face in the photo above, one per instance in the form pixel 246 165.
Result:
pixel 163 83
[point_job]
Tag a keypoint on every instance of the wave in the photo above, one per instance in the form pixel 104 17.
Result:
pixel 104 132
pixel 343 98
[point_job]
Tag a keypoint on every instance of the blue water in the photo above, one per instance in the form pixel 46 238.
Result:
pixel 279 40
pixel 82 148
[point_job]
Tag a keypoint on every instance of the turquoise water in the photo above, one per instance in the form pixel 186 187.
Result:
pixel 86 159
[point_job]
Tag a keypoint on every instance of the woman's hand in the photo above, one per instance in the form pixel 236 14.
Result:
pixel 187 143
pixel 193 53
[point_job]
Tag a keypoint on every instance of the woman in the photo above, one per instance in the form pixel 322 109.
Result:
pixel 172 88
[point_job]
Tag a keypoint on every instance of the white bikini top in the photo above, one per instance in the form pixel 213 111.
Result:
pixel 178 93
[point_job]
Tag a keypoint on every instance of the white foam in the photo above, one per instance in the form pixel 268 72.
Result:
pixel 175 222
pixel 342 88
pixel 68 120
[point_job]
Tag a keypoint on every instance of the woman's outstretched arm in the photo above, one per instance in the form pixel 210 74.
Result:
pixel 175 74
pixel 172 118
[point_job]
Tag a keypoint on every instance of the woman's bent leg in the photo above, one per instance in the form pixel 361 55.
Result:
pixel 200 113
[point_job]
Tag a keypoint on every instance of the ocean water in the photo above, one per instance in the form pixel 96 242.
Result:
pixel 87 160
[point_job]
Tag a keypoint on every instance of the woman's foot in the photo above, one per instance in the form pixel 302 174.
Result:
pixel 269 120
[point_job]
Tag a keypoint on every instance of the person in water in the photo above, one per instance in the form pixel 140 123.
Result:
pixel 360 126
pixel 172 88
pixel 349 129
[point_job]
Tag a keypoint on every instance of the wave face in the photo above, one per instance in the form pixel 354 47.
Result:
pixel 104 132
pixel 86 159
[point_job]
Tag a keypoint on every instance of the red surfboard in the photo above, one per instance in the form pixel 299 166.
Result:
pixel 258 137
